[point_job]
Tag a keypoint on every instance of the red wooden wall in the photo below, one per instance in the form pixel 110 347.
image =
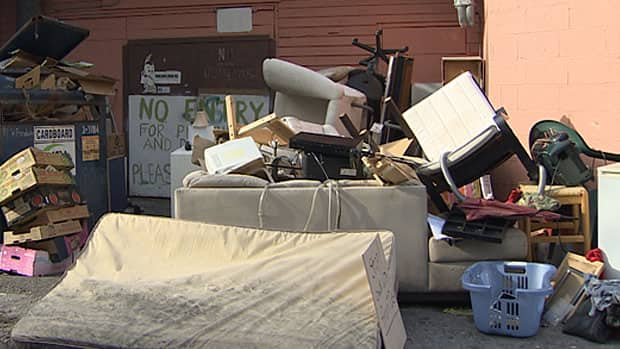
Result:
pixel 315 33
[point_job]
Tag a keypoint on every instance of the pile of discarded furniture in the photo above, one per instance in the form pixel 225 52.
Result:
pixel 344 152
pixel 321 162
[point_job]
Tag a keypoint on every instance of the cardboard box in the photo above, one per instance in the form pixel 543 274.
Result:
pixel 237 156
pixel 452 67
pixel 43 232
pixel 90 83
pixel 30 157
pixel 116 147
pixel 25 208
pixel 27 179
pixel 29 262
pixel 54 216
pixel 56 248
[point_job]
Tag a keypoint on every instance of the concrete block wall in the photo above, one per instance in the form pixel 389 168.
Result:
pixel 556 59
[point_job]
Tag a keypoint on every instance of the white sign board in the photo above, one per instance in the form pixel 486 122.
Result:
pixel 386 305
pixel 56 139
pixel 167 77
pixel 234 20
pixel 158 125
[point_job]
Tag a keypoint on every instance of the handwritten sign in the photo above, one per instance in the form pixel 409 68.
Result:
pixel 386 305
pixel 158 125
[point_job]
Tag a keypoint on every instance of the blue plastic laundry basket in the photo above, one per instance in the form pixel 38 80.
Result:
pixel 508 297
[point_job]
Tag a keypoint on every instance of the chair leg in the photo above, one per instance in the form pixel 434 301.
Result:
pixel 525 224
pixel 585 221
pixel 432 192
pixel 516 147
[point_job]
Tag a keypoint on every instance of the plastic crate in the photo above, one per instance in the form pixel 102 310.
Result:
pixel 508 297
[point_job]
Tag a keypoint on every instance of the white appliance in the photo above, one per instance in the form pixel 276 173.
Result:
pixel 180 166
pixel 609 218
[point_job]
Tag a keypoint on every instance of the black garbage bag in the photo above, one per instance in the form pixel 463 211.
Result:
pixel 592 328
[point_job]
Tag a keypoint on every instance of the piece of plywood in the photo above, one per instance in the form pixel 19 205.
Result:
pixel 29 80
pixel 569 287
pixel 267 128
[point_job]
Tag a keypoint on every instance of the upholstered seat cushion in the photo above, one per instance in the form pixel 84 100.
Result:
pixel 513 247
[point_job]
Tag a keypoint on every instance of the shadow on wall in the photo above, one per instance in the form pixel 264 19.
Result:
pixel 511 173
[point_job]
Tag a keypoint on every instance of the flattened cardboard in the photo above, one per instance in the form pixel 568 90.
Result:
pixel 30 157
pixel 73 71
pixel 49 83
pixel 98 86
pixel 42 232
pixel 384 297
pixel 569 287
pixel 116 147
pixel 90 83
pixel 26 179
pixel 396 148
pixel 29 80
pixel 90 148
pixel 20 60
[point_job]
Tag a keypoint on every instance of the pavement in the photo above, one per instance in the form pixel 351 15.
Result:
pixel 435 325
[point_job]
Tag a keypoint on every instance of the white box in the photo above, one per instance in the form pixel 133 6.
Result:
pixel 180 166
pixel 236 155
pixel 608 222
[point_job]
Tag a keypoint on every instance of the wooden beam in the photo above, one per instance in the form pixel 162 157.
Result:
pixel 231 116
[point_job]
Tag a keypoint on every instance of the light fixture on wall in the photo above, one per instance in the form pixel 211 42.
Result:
pixel 465 12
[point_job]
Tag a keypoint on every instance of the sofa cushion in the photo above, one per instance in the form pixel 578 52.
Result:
pixel 202 179
pixel 513 247
pixel 446 277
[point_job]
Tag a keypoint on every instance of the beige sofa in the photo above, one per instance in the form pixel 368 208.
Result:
pixel 423 264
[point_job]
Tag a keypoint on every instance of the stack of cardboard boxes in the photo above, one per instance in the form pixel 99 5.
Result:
pixel 44 213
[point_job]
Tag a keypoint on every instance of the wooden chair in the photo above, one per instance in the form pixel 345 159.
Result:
pixel 575 231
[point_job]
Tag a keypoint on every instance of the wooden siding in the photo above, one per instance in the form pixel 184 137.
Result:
pixel 314 33
pixel 318 33
pixel 8 19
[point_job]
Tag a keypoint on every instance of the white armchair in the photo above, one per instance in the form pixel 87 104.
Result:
pixel 310 96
